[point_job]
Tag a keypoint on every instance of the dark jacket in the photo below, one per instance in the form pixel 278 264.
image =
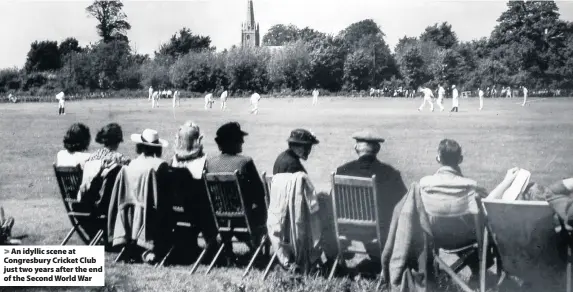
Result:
pixel 389 184
pixel 288 162
pixel 252 185
pixel 561 201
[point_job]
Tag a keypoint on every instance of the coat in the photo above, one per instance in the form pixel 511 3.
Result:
pixel 288 162
pixel 389 183
pixel 405 255
pixel 293 223
pixel 251 184
pixel 140 207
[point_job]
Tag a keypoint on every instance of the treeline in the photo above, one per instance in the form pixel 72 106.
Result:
pixel 529 46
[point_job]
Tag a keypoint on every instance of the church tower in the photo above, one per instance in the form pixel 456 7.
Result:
pixel 250 29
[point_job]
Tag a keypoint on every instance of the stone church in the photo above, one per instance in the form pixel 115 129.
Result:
pixel 250 30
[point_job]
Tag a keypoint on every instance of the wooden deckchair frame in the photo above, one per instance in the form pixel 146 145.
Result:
pixel 178 212
pixel 69 179
pixel 213 185
pixel 487 233
pixel 467 251
pixel 354 202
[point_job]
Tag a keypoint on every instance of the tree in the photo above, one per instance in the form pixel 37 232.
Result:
pixel 413 68
pixel 280 35
pixel 356 31
pixel 9 79
pixel 367 37
pixel 442 35
pixel 358 69
pixel 43 56
pixel 528 38
pixel 69 45
pixel 112 20
pixel 184 43
pixel 108 60
pixel 247 69
pixel 290 67
pixel 326 63
pixel 308 34
pixel 199 72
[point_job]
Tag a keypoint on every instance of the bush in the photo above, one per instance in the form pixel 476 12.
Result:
pixel 9 80
pixel 34 80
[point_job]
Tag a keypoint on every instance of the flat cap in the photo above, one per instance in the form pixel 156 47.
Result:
pixel 367 136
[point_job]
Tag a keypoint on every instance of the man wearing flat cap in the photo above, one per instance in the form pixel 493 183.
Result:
pixel 230 141
pixel 389 182
pixel 300 145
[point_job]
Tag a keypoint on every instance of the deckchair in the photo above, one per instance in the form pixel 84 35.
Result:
pixel 267 182
pixel 355 207
pixel 299 228
pixel 79 213
pixel 186 198
pixel 437 244
pixel 228 204
pixel 528 245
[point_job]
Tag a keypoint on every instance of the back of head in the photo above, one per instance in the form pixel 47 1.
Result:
pixel 77 138
pixel 230 138
pixel 110 135
pixel 366 148
pixel 450 153
pixel 149 151
pixel 188 140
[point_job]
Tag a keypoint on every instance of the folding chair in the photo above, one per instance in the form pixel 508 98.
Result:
pixel 69 180
pixel 229 207
pixel 267 181
pixel 184 193
pixel 465 255
pixel 527 243
pixel 355 202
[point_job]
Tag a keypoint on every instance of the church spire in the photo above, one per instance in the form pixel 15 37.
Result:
pixel 250 29
pixel 250 15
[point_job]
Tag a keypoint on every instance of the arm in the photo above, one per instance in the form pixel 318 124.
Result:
pixel 497 193
pixel 559 198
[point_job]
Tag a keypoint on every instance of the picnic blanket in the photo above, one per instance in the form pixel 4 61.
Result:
pixel 405 254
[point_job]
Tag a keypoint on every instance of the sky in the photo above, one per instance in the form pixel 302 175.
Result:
pixel 154 22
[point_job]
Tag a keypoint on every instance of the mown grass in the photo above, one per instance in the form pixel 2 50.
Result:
pixel 537 137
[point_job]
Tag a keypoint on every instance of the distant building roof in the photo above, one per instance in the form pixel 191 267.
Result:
pixel 275 48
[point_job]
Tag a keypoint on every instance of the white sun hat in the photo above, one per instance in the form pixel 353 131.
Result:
pixel 149 137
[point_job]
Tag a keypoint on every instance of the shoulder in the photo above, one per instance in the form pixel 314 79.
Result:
pixel 346 167
pixel 387 168
pixel 427 180
pixel 244 159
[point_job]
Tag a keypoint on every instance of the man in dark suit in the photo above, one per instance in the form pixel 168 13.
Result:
pixel 300 145
pixel 230 141
pixel 389 182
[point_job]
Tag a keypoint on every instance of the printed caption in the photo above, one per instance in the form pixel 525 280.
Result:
pixel 52 266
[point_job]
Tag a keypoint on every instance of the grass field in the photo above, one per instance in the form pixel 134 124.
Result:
pixel 537 137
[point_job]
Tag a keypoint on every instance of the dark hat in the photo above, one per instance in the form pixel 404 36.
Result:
pixel 367 136
pixel 230 131
pixel 302 136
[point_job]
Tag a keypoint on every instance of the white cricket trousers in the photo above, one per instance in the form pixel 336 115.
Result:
pixel 428 100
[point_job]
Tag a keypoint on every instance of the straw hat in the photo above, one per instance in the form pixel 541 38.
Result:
pixel 149 137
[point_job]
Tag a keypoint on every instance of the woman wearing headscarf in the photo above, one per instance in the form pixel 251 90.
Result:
pixel 189 149
pixel 189 189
